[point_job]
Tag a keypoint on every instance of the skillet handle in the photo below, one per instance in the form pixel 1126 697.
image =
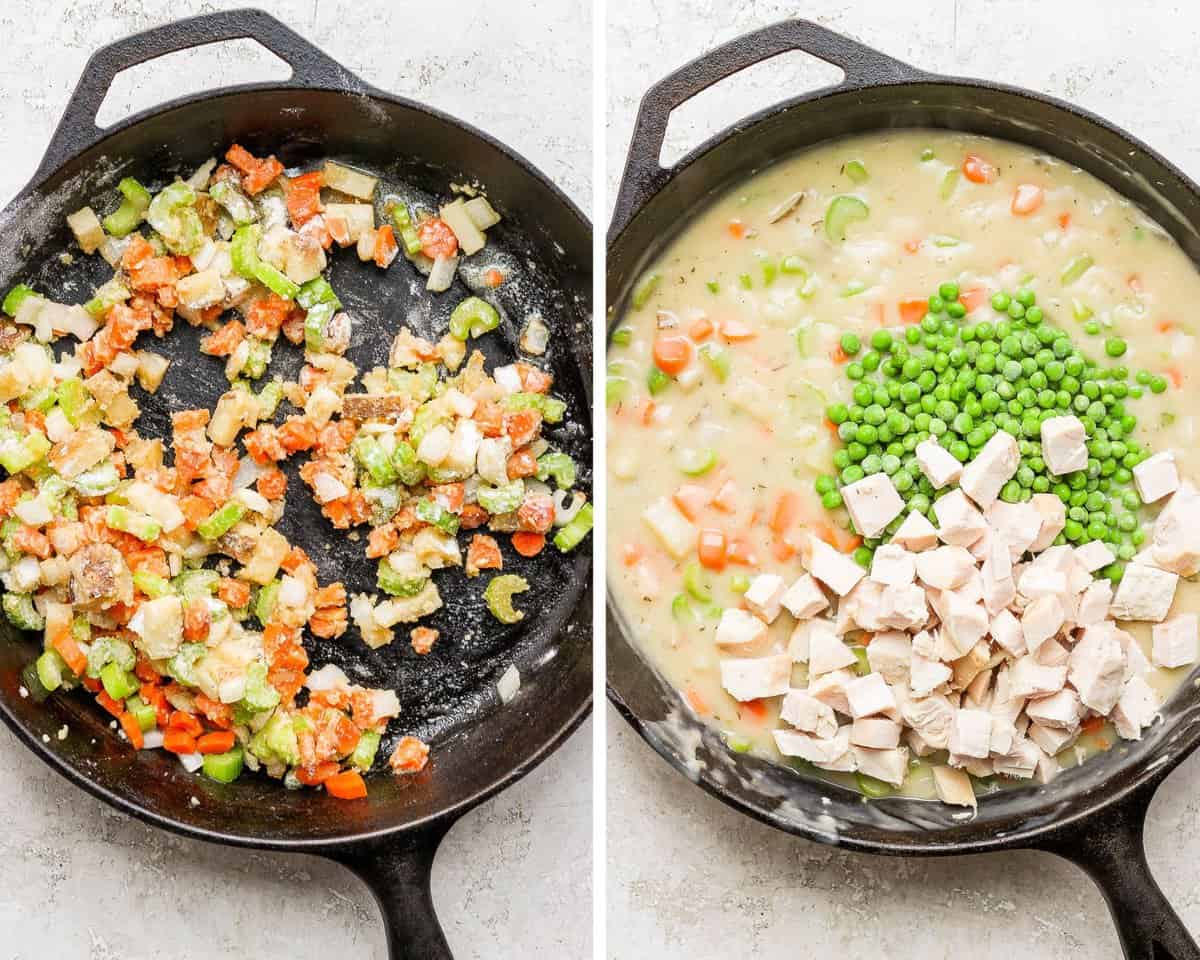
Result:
pixel 644 176
pixel 397 870
pixel 77 129
pixel 1108 846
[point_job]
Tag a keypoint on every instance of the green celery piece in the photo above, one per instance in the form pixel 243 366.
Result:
pixel 370 455
pixel 19 609
pixel 392 582
pixel 276 742
pixel 499 593
pixel 644 290
pixel 622 336
pixel 106 295
pixel 118 683
pixel 135 201
pixel 842 211
pixel 172 213
pixel 559 466
pixel 109 649
pixel 430 511
pixel 409 470
pixel 269 397
pixel 243 251
pixel 408 233
pixel 1077 267
pixel 145 714
pixel 74 399
pixel 276 281
pixel 473 317
pixel 315 320
pixel 949 182
pixel 131 521
pixel 259 695
pixel 317 290
pixel 257 359
pixel 236 203
pixel 15 297
pixel 42 399
pixel 718 360
pixel 571 534
pixel 364 754
pixel 856 170
pixel 100 481
pixel 384 501
pixel 224 767
pixel 151 584
pixel 264 604
pixel 219 522
pixel 196 583
pixel 182 666
pixel 551 408
pixel 19 453
pixel 50 669
pixel 503 499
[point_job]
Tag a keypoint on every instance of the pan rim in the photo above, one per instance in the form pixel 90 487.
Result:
pixel 446 815
pixel 1145 773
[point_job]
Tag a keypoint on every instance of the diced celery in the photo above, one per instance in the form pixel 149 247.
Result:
pixel 258 358
pixel 74 399
pixel 109 649
pixel 373 459
pixel 172 213
pixel 364 754
pixel 100 481
pixel 224 767
pixel 19 609
pixel 717 360
pixel 571 534
pixel 18 453
pixel 182 666
pixel 317 290
pixel 243 251
pixel 118 683
pixel 503 499
pixel 105 297
pixel 151 584
pixel 644 290
pixel 393 582
pixel 15 297
pixel 268 399
pixel 219 522
pixel 276 281
pixel 50 669
pixel 134 203
pixel 131 521
pixel 409 470
pixel 551 408
pixel 559 466
pixel 236 203
pixel 499 593
pixel 408 233
pixel 473 317
pixel 145 714
pixel 196 583
pixel 315 321
pixel 430 511
pixel 264 604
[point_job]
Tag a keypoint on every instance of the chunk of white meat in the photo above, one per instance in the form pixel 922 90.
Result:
pixel 805 712
pixel 1156 477
pixel 945 567
pixel 971 734
pixel 1005 629
pixel 1175 642
pixel 1176 545
pixel 1051 739
pixel 1144 593
pixel 860 608
pixel 831 753
pixel 1096 668
pixel 992 467
pixel 836 570
pixel 927 675
pixel 903 607
pixel 1019 524
pixel 1064 444
pixel 1042 619
pixel 1094 555
pixel 954 787
pixel 959 522
pixel 890 766
pixel 869 695
pixel 804 598
pixel 1094 603
pixel 1136 708
pixel 916 533
pixel 893 565
pixel 800 642
pixel 877 733
pixel 889 653
pixel 965 623
pixel 933 718
pixel 826 652
pixel 1053 513
pixel 999 588
pixel 752 678
pixel 873 503
pixel 1021 761
pixel 1041 582
pixel 1061 710
pixel 938 464
pixel 764 596
pixel 830 689
pixel 1030 678
pixel 739 630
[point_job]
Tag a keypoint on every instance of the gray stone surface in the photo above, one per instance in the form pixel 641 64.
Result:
pixel 688 877
pixel 513 878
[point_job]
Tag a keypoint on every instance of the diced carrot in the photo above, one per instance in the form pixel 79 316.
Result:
pixel 132 730
pixel 912 246
pixel 221 742
pixel 522 464
pixel 29 540
pixel 303 195
pixel 185 722
pixel 691 498
pixel 736 229
pixel 528 544
pixel 534 379
pixel 785 511
pixel 1027 199
pixel 70 651
pixel 197 620
pixel 756 710
pixel 1164 326
pixel 838 355
pixel 1134 282
pixel 736 331
pixel 136 252
pixel 235 593
pixel 912 311
pixel 422 639
pixel 740 552
pixel 782 549
pixel 115 707
pixel 631 553
pixel 297 559
pixel 1175 376
pixel 978 170
pixel 672 354
pixel 711 549
pixel 725 499
pixel 348 785
pixel 272 483
pixel 144 670
pixel 316 775
pixel 437 239
pixel 648 411
pixel 701 329
pixel 410 756
pixel 178 741
pixel 386 247
pixel 697 702
pixel 493 278
pixel 266 315
pixel 195 510
pixel 973 297
pixel 1092 724
pixel 297 434
pixel 382 540
pixel 222 342
pixel 217 713
pixel 484 553
pixel 1064 221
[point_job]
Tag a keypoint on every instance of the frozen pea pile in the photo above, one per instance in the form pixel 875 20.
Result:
pixel 961 382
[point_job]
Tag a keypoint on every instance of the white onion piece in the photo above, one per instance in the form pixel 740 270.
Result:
pixel 508 684
pixel 152 739
pixel 564 513
pixel 385 703
pixel 248 472
pixel 329 677
pixel 191 761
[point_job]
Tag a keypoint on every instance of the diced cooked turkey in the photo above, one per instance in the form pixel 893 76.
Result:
pixel 1156 477
pixel 873 503
pixel 916 533
pixel 992 467
pixel 1175 642
pixel 804 712
pixel 804 598
pixel 1144 593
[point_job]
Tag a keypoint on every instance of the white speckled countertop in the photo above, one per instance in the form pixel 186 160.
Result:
pixel 690 879
pixel 514 877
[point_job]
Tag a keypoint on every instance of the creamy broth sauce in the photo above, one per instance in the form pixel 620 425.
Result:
pixel 799 292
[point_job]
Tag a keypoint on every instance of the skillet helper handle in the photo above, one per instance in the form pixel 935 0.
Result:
pixel 77 129
pixel 397 870
pixel 644 176
pixel 1109 847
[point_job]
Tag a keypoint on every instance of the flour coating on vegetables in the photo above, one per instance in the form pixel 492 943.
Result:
pixel 156 572
pixel 901 435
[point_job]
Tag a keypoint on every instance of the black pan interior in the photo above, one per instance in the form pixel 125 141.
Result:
pixel 777 794
pixel 448 696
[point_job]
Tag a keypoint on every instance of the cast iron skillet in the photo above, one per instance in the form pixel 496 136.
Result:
pixel 1092 815
pixel 480 745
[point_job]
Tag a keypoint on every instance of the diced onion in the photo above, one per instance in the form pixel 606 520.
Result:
pixel 564 513
pixel 385 703
pixel 508 684
pixel 253 500
pixel 248 472
pixel 329 677
pixel 442 274
pixel 152 739
pixel 191 761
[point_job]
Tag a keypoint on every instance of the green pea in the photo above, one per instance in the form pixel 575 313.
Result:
pixel 1000 301
pixel 881 340
pixel 831 500
pixel 1115 347
pixel 837 413
pixel 1158 384
pixel 855 371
